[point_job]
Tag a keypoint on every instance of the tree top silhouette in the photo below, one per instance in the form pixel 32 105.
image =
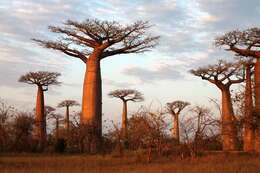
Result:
pixel 176 107
pixel 127 95
pixel 67 103
pixel 222 74
pixel 79 39
pixel 245 43
pixel 41 78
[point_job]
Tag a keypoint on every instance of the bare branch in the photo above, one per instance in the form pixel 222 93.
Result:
pixel 41 78
pixel 176 107
pixel 127 95
pixel 110 38
pixel 221 74
pixel 245 43
pixel 68 103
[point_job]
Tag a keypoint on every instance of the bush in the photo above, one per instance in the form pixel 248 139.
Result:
pixel 60 145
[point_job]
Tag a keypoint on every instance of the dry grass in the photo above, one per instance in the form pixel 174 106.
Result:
pixel 223 163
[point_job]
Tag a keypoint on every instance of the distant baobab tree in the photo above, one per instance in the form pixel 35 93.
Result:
pixel 91 41
pixel 42 79
pixel 223 75
pixel 57 118
pixel 48 111
pixel 126 95
pixel 246 43
pixel 175 108
pixel 68 104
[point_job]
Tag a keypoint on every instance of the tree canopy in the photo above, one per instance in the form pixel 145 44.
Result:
pixel 176 107
pixel 222 73
pixel 79 39
pixel 68 103
pixel 245 43
pixel 41 78
pixel 127 95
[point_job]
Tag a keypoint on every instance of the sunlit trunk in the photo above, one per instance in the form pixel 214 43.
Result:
pixel 175 129
pixel 257 104
pixel 40 136
pixel 92 98
pixel 124 119
pixel 248 126
pixel 229 131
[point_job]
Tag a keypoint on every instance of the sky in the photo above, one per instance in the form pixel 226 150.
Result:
pixel 187 29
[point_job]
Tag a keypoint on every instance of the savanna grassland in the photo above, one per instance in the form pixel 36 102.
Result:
pixel 217 163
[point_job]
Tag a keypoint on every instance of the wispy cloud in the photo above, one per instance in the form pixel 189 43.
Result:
pixel 153 74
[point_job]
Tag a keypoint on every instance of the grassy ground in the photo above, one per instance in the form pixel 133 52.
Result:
pixel 213 163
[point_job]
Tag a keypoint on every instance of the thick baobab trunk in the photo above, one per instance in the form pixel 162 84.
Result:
pixel 67 123
pixel 229 132
pixel 92 99
pixel 248 126
pixel 175 129
pixel 257 104
pixel 124 118
pixel 39 130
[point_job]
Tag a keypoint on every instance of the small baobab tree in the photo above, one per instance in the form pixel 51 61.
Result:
pixel 48 111
pixel 223 75
pixel 175 108
pixel 94 40
pixel 57 118
pixel 246 43
pixel 42 79
pixel 68 104
pixel 126 95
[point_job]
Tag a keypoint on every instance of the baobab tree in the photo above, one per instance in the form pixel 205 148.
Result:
pixel 91 41
pixel 68 104
pixel 48 111
pixel 223 75
pixel 175 108
pixel 126 95
pixel 246 43
pixel 249 132
pixel 42 79
pixel 57 118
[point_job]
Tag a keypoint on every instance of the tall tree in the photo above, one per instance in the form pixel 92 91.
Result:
pixel 126 95
pixel 249 133
pixel 223 75
pixel 42 79
pixel 68 104
pixel 175 108
pixel 91 41
pixel 57 118
pixel 246 43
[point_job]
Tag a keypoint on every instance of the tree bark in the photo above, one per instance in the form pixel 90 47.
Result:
pixel 229 132
pixel 92 98
pixel 39 130
pixel 175 129
pixel 124 119
pixel 257 104
pixel 248 126
pixel 67 124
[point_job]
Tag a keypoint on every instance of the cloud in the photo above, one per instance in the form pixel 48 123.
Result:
pixel 187 32
pixel 222 15
pixel 158 73
pixel 116 84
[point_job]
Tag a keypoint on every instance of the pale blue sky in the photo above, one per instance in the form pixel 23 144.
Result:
pixel 187 29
